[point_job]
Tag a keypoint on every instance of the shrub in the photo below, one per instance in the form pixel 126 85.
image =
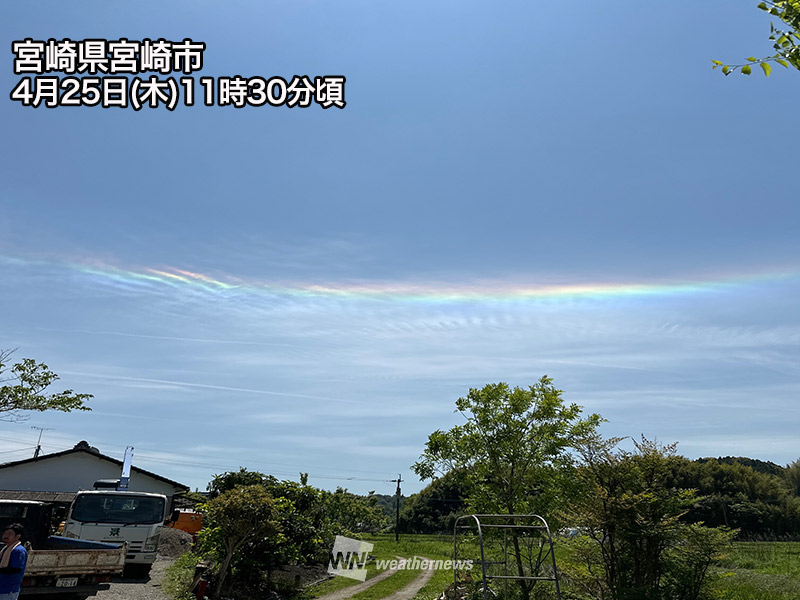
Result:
pixel 179 577
pixel 637 547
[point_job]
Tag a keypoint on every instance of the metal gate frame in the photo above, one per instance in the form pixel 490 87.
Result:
pixel 487 523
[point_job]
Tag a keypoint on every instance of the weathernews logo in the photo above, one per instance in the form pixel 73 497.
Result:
pixel 349 558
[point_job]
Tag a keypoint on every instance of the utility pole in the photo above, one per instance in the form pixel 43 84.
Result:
pixel 397 507
pixel 39 442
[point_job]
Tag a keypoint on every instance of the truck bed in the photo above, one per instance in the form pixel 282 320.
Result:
pixel 66 556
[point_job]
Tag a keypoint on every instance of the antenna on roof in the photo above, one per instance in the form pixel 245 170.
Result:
pixel 39 442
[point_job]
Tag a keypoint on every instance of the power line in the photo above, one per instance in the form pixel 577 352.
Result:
pixel 230 465
pixel 27 449
pixel 296 466
pixel 272 471
pixel 233 465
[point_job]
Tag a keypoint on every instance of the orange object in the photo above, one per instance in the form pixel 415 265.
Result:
pixel 188 521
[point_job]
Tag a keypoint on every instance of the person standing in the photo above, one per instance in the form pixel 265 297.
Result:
pixel 13 558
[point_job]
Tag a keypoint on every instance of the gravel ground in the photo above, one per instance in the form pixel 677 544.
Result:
pixel 139 589
pixel 173 544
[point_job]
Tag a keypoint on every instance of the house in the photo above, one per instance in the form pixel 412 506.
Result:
pixel 56 477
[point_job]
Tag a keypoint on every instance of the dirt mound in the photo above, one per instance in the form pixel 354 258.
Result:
pixel 174 542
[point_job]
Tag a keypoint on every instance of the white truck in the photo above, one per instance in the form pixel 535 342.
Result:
pixel 135 518
pixel 57 567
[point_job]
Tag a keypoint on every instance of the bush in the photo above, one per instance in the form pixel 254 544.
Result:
pixel 179 577
pixel 637 547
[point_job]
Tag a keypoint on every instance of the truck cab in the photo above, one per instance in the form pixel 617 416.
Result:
pixel 120 516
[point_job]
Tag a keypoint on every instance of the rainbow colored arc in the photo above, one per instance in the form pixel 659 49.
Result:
pixel 430 291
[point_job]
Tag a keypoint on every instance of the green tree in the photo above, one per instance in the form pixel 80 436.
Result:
pixel 236 518
pixel 307 532
pixel 309 519
pixel 305 527
pixel 388 502
pixel 23 389
pixel 760 466
pixel 791 475
pixel 514 449
pixel 435 508
pixel 232 479
pixel 636 546
pixel 785 40
pixel 351 513
pixel 734 494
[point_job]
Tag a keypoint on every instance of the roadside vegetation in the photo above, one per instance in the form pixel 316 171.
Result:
pixel 179 576
pixel 633 520
pixel 255 527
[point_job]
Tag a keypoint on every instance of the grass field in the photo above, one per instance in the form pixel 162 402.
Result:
pixel 760 571
pixel 750 571
pixel 429 546
pixel 385 548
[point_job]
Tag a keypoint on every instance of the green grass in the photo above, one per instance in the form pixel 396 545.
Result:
pixel 179 576
pixel 337 583
pixel 388 586
pixel 750 571
pixel 385 548
pixel 331 585
pixel 771 558
pixel 433 589
pixel 750 585
pixel 760 571
pixel 430 546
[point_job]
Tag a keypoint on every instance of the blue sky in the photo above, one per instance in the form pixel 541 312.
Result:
pixel 513 189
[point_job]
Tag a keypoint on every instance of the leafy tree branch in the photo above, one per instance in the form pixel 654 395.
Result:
pixel 785 41
pixel 23 385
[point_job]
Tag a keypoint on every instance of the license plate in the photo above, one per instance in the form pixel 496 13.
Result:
pixel 67 582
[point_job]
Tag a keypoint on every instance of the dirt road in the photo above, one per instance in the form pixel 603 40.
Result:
pixel 150 589
pixel 139 589
pixel 405 593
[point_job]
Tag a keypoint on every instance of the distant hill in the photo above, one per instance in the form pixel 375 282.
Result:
pixel 761 466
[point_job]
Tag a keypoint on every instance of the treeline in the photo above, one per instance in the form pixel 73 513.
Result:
pixel 757 498
pixel 760 499
pixel 255 523
pixel 648 523
pixel 643 523
pixel 387 503
pixel 435 508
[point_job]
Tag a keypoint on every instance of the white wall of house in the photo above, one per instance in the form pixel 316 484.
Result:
pixel 73 472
